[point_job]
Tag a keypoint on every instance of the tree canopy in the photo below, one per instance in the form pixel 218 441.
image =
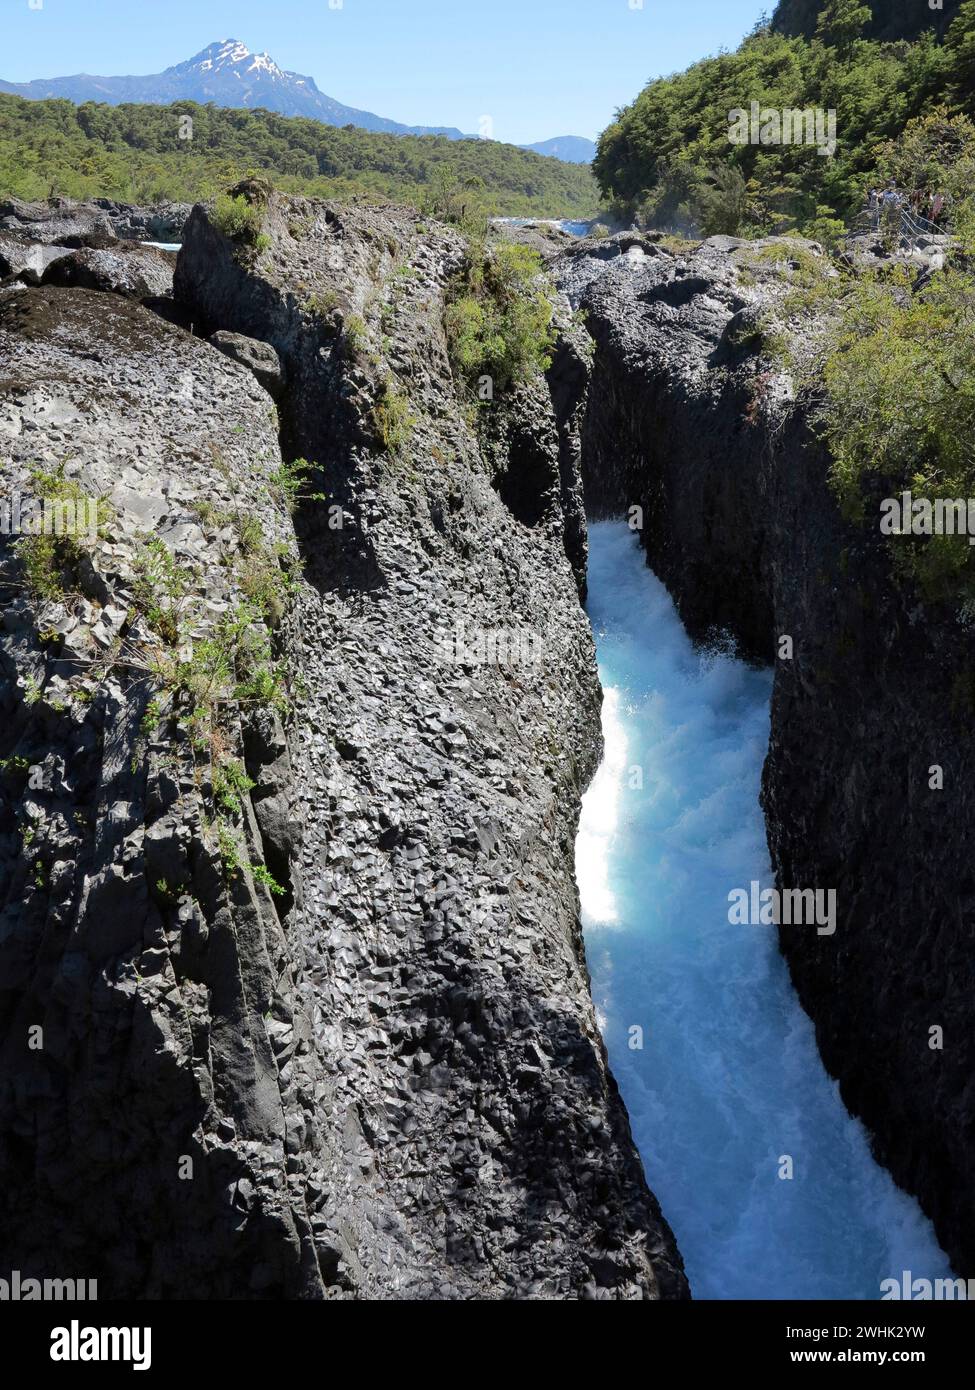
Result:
pixel 141 154
pixel 668 157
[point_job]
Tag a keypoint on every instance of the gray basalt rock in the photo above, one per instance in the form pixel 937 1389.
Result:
pixel 61 218
pixel 152 1093
pixel 543 237
pixel 388 1076
pixel 693 420
pixel 259 358
pixel 162 222
pixel 25 260
pixel 138 272
pixel 49 221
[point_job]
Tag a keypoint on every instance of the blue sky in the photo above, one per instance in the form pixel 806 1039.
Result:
pixel 538 68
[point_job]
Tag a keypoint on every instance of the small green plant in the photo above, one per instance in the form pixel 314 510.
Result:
pixel 322 305
pixel 355 334
pixel 499 318
pixel 290 478
pixel 250 533
pixel 392 417
pixel 230 783
pixel 152 716
pixel 56 552
pixel 262 874
pixel 161 588
pixel 233 860
pixel 237 219
pixel 264 685
pixel 229 849
pixel 207 513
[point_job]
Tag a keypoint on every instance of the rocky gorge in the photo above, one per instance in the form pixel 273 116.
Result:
pixel 694 421
pixel 288 882
pixel 293 1001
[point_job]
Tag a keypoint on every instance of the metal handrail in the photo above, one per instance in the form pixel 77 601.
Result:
pixel 913 224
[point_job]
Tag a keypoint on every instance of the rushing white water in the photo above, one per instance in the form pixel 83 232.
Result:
pixel 576 229
pixel 728 1080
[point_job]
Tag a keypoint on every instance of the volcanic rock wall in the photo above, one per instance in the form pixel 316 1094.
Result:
pixel 690 420
pixel 293 1000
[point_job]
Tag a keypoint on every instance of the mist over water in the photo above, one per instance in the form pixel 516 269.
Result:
pixel 729 1078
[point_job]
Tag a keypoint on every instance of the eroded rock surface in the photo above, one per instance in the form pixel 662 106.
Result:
pixel 61 218
pixel 369 1026
pixel 138 272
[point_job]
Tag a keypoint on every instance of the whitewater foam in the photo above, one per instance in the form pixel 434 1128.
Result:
pixel 728 1083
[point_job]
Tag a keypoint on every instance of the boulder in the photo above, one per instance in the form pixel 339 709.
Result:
pixel 135 271
pixel 259 358
pixel 27 260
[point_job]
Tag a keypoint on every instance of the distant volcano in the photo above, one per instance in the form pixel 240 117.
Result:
pixel 227 73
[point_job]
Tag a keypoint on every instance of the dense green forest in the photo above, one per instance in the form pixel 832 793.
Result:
pixel 141 154
pixel 892 19
pixel 668 159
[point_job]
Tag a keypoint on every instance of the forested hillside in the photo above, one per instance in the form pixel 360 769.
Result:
pixel 892 19
pixel 183 152
pixel 668 158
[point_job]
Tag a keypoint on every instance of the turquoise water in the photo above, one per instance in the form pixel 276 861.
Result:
pixel 728 1082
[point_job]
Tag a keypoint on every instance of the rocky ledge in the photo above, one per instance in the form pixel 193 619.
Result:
pixel 59 218
pixel 100 246
pixel 691 420
pixel 293 998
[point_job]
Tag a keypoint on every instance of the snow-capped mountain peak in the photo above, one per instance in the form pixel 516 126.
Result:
pixel 226 53
pixel 227 73
pixel 232 51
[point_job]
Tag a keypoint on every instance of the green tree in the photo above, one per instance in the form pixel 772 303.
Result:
pixel 842 22
pixel 662 149
pixel 722 202
pixel 135 152
pixel 960 48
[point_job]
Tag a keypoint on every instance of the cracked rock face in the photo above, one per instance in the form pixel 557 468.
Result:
pixel 372 1035
pixel 51 221
pixel 689 421
pixel 134 271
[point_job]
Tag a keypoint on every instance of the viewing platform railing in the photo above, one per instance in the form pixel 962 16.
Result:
pixel 912 224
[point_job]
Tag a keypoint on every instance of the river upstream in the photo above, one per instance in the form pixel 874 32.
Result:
pixel 727 1084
